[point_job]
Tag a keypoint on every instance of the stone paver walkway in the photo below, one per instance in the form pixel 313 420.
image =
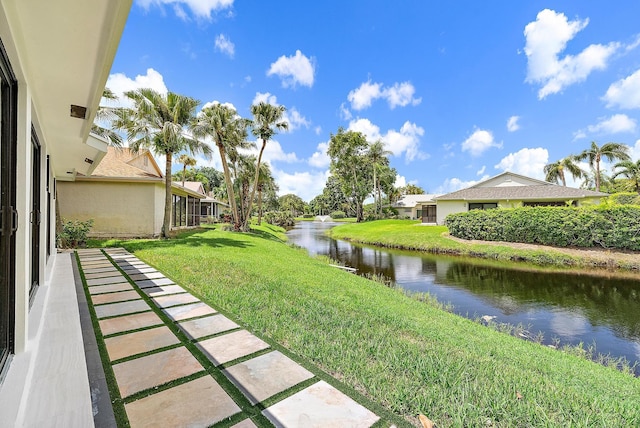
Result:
pixel 178 362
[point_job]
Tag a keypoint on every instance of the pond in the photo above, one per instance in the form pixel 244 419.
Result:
pixel 569 306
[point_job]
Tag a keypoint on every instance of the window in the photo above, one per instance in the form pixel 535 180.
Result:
pixel 483 206
pixel 179 211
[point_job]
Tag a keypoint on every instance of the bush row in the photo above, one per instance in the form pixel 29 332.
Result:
pixel 597 226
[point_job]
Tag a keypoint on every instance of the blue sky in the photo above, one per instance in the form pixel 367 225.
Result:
pixel 459 91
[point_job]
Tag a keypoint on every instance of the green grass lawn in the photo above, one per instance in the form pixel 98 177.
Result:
pixel 411 235
pixel 405 355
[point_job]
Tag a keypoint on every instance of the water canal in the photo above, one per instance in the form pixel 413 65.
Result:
pixel 571 306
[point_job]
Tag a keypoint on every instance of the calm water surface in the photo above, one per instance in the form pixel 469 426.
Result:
pixel 571 306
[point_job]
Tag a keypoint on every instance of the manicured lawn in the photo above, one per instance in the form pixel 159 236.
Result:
pixel 405 355
pixel 411 235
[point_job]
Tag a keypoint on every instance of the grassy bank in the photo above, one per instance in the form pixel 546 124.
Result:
pixel 408 356
pixel 410 235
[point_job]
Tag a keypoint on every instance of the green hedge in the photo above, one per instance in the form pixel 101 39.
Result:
pixel 597 226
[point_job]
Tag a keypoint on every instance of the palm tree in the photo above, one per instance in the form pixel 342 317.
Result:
pixel 555 172
pixel 631 170
pixel 186 161
pixel 267 120
pixel 158 122
pixel 265 182
pixel 378 158
pixel 228 131
pixel 106 113
pixel 609 151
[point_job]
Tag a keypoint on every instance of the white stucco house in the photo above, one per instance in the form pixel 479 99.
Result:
pixel 55 58
pixel 509 190
pixel 124 195
pixel 417 207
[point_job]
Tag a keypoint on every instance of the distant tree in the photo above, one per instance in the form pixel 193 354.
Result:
pixel 267 121
pixel 215 178
pixel 556 172
pixel 412 189
pixel 347 150
pixel 609 151
pixel 630 170
pixel 186 161
pixel 228 131
pixel 292 203
pixel 378 158
pixel 159 122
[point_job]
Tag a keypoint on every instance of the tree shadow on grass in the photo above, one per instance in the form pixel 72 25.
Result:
pixel 191 241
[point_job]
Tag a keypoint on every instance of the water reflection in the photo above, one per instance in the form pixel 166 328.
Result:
pixel 571 306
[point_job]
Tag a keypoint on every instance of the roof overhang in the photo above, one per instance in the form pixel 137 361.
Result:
pixel 64 50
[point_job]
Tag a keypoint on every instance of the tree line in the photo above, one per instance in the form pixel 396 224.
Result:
pixel 595 178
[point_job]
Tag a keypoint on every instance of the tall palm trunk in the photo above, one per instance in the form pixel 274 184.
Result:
pixel 166 222
pixel 245 226
pixel 259 206
pixel 227 179
pixel 598 172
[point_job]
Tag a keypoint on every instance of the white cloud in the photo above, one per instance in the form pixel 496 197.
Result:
pixel 345 114
pixel 401 181
pixel 293 70
pixel 292 116
pixel 635 151
pixel 200 8
pixel 512 123
pixel 212 103
pixel 624 93
pixel 295 119
pixel 224 45
pixel 320 159
pixel 318 130
pixel 453 184
pixel 363 96
pixel 481 170
pixel 618 123
pixel 546 38
pixel 406 140
pixel 119 83
pixel 529 162
pixel 307 185
pixel 400 94
pixel 273 152
pixel 480 141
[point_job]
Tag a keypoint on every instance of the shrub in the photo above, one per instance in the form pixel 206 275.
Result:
pixel 615 226
pixel 624 198
pixel 307 216
pixel 338 214
pixel 74 233
pixel 280 218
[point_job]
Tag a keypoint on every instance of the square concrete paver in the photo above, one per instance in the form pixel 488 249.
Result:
pixel 96 265
pixel 138 342
pixel 154 370
pixel 104 274
pixel 247 423
pixel 174 300
pixel 109 268
pixel 266 375
pixel 99 289
pixel 320 405
pixel 198 403
pixel 129 322
pixel 207 326
pixel 121 296
pixel 154 282
pixel 222 349
pixel 138 269
pixel 179 313
pixel 163 290
pixel 150 275
pixel 106 281
pixel 122 308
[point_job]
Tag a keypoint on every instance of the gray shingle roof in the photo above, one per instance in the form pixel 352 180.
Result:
pixel 541 192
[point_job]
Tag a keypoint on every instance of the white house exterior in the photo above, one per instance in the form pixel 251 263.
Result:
pixel 55 57
pixel 415 206
pixel 509 190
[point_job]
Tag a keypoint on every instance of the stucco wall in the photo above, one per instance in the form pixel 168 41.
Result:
pixel 444 208
pixel 118 209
